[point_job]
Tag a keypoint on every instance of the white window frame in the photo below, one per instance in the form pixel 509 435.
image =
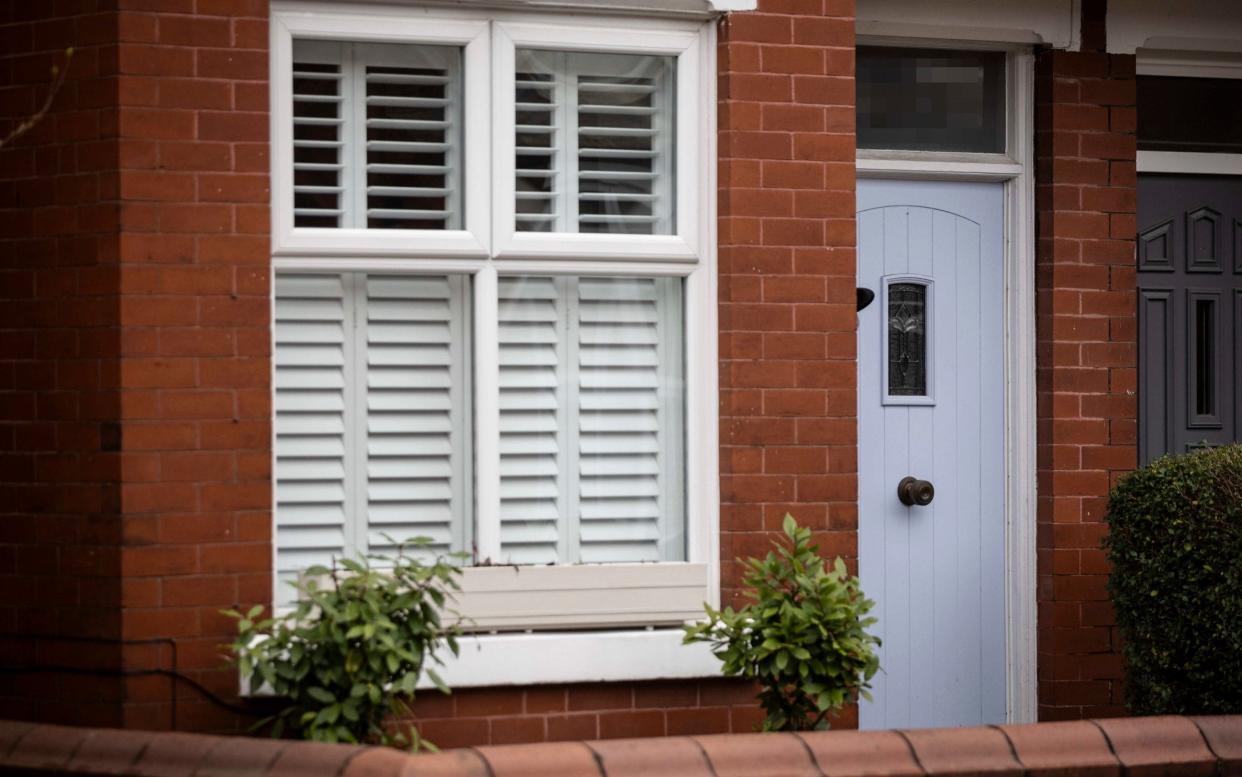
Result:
pixel 414 26
pixel 681 41
pixel 582 596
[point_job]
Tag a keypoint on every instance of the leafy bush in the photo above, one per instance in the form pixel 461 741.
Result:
pixel 803 638
pixel 351 652
pixel 1175 542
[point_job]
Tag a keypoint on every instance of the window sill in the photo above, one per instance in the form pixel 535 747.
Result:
pixel 500 660
pixel 491 660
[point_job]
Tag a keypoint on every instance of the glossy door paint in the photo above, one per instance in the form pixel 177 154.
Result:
pixel 1189 312
pixel 936 572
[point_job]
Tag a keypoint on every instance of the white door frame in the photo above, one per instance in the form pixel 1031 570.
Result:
pixel 1015 169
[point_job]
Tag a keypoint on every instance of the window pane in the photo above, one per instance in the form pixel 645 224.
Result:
pixel 594 143
pixel 931 100
pixel 371 400
pixel 1205 357
pixel 1189 114
pixel 907 340
pixel 377 136
pixel 591 420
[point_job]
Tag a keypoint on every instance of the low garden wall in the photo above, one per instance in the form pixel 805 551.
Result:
pixel 1133 747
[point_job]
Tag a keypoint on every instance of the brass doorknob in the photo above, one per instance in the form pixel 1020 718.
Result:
pixel 912 491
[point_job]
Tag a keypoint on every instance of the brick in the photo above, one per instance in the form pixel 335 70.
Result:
pixel 792 175
pixel 645 757
pixel 233 188
pixel 1159 745
pixel 301 758
pixel 823 90
pixel 572 759
pixel 231 64
pixel 791 59
pixel 157 124
pixel 795 118
pixel 760 28
pixel 963 751
pixel 44 748
pixel 575 727
pixel 483 702
pixel 870 752
pixel 236 756
pixel 1224 736
pixel 745 755
pixel 232 126
pixel 517 730
pixel 631 723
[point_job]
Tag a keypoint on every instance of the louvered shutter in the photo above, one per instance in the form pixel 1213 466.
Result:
pixel 321 103
pixel 594 143
pixel 311 358
pixel 377 136
pixel 414 395
pixel 629 381
pixel 591 420
pixel 541 127
pixel 533 404
pixel 372 394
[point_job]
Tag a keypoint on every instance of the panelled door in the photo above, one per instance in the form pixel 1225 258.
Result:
pixel 932 449
pixel 1190 312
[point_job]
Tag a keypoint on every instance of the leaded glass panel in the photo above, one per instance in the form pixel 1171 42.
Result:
pixel 907 340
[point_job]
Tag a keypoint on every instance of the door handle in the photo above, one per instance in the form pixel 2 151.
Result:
pixel 912 491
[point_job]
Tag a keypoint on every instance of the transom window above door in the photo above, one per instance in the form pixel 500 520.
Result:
pixel 493 305
pixel 931 99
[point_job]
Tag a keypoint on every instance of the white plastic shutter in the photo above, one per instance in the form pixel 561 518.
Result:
pixel 533 432
pixel 416 384
pixel 372 422
pixel 312 435
pixel 594 142
pixel 377 135
pixel 591 393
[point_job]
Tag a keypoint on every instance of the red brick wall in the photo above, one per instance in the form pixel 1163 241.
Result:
pixel 59 470
pixel 590 711
pixel 788 426
pixel 195 339
pixel 190 487
pixel 1087 363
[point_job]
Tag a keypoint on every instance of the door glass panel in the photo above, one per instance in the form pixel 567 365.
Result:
pixel 907 340
pixel 1189 114
pixel 1205 357
pixel 931 100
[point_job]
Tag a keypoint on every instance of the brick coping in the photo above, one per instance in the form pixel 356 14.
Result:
pixel 1093 748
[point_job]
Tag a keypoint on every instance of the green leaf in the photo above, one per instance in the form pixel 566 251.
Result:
pixel 439 682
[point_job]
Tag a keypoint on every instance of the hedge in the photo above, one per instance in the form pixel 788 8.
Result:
pixel 1175 543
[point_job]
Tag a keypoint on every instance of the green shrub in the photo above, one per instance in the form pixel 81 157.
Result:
pixel 349 655
pixel 803 638
pixel 1175 542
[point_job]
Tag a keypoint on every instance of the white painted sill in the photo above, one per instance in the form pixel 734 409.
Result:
pixel 506 606
pixel 492 660
pixel 553 658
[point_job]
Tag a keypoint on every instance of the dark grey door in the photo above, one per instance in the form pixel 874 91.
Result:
pixel 1190 311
